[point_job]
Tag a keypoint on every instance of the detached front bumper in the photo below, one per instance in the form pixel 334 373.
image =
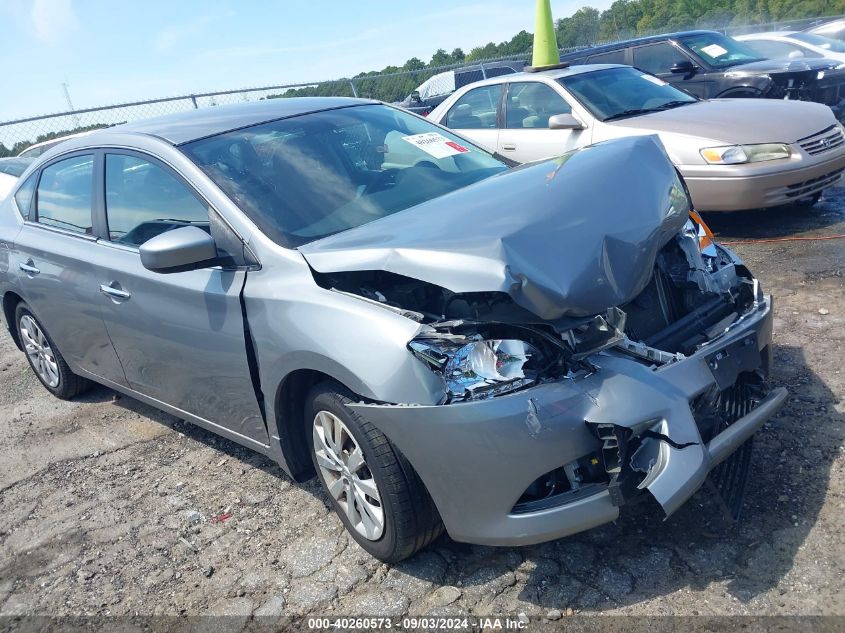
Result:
pixel 477 458
pixel 738 187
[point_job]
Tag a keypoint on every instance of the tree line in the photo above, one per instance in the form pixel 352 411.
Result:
pixel 587 26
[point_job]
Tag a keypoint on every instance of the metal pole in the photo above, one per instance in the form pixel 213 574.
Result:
pixel 354 92
pixel 194 101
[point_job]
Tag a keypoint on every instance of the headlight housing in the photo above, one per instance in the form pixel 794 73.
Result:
pixel 739 154
pixel 480 368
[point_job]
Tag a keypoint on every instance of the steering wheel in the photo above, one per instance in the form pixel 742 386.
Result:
pixel 385 179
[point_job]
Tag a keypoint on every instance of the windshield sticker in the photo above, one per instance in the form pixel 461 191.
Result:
pixel 654 80
pixel 714 50
pixel 436 145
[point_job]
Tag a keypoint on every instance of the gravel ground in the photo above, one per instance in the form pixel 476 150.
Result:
pixel 110 507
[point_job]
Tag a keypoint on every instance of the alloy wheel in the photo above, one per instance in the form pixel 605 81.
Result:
pixel 38 349
pixel 346 475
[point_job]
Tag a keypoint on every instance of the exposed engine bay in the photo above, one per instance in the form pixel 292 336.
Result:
pixel 483 344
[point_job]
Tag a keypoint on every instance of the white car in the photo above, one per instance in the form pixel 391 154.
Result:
pixel 794 44
pixel 10 171
pixel 733 153
pixel 34 151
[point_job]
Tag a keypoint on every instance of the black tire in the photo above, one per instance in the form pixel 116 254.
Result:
pixel 69 384
pixel 411 520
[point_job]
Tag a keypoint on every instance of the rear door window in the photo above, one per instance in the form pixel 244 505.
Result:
pixel 65 194
pixel 610 57
pixel 476 110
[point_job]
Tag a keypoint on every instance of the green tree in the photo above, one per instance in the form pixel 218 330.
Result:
pixel 580 29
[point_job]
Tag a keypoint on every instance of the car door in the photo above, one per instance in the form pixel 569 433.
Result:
pixel 658 59
pixel 525 135
pixel 180 336
pixel 52 261
pixel 475 115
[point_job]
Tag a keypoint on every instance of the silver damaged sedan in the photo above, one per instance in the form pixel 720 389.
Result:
pixel 447 341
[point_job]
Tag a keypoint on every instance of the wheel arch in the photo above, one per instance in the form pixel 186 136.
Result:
pixel 10 305
pixel 289 407
pixel 748 92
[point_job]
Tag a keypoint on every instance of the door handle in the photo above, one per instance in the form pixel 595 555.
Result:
pixel 29 269
pixel 114 293
pixel 509 146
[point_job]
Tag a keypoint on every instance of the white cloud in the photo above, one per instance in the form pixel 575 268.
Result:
pixel 53 20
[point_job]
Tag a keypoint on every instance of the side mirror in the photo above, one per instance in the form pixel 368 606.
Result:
pixel 564 122
pixel 185 248
pixel 415 97
pixel 683 67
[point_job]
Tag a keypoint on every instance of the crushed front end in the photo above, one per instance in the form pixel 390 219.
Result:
pixel 549 428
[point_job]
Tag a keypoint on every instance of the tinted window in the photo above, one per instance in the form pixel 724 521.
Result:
pixel 64 194
pixel 657 58
pixel 620 92
pixel 531 104
pixel 773 49
pixel 499 71
pixel 144 200
pixel 475 110
pixel 24 195
pixel 610 57
pixel 720 51
pixel 466 77
pixel 310 176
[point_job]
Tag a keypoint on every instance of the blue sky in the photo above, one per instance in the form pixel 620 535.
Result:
pixel 111 51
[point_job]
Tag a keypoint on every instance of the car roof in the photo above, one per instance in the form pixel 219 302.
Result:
pixel 557 73
pixel 766 34
pixel 592 50
pixel 191 125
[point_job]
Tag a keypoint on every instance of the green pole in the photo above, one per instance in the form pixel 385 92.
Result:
pixel 545 41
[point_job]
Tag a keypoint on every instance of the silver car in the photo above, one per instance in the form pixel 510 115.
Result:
pixel 446 341
pixel 733 153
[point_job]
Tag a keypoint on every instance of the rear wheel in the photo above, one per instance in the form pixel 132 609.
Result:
pixel 374 490
pixel 45 358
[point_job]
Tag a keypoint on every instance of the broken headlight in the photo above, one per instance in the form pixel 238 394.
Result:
pixel 479 368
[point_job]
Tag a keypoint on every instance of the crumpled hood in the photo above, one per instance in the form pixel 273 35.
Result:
pixel 738 121
pixel 572 236
pixel 783 64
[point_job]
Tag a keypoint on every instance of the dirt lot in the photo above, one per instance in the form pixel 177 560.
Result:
pixel 108 506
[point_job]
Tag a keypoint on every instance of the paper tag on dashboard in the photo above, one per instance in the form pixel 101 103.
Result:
pixel 436 145
pixel 654 80
pixel 714 50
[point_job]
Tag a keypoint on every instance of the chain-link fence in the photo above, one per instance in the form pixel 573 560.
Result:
pixel 17 135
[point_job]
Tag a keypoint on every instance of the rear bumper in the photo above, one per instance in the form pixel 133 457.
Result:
pixel 477 458
pixel 724 192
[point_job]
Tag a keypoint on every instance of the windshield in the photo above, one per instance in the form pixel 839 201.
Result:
pixel 311 176
pixel 615 93
pixel 720 51
pixel 827 43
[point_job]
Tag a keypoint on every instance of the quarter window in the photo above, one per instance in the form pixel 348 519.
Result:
pixel 144 200
pixel 64 195
pixel 530 105
pixel 657 59
pixel 476 109
pixel 23 197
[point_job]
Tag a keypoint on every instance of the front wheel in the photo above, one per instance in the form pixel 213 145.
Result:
pixel 372 487
pixel 45 358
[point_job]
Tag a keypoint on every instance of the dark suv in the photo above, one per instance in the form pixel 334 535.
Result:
pixel 708 64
